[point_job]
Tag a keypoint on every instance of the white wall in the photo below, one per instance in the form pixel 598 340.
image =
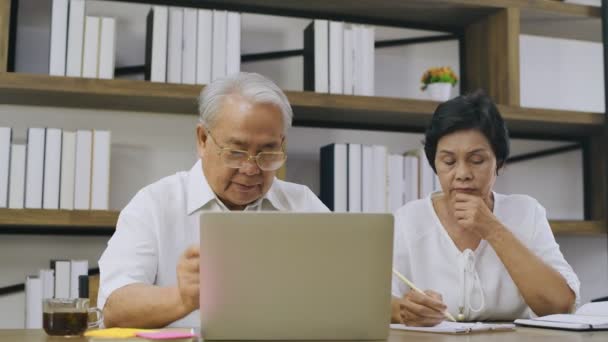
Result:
pixel 262 33
pixel 561 74
pixel 147 146
pixel 543 178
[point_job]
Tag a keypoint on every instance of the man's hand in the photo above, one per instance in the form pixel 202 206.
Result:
pixel 418 310
pixel 188 278
pixel 473 214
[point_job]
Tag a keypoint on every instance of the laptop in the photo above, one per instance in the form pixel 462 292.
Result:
pixel 295 276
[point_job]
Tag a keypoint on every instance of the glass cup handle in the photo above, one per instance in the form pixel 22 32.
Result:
pixel 99 315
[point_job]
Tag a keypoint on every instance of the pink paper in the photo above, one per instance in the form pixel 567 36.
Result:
pixel 165 335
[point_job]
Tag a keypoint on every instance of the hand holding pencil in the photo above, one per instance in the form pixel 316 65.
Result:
pixel 422 308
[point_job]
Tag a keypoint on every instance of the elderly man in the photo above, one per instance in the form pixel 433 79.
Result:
pixel 149 271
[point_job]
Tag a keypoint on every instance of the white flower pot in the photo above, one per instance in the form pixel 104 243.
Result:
pixel 439 91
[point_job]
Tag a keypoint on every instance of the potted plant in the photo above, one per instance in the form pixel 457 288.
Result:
pixel 439 82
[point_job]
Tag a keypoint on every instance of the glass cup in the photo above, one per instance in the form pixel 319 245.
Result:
pixel 68 317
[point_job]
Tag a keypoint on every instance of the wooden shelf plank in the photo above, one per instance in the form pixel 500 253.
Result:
pixel 362 112
pixel 441 15
pixel 43 90
pixel 5 13
pixel 555 7
pixel 541 17
pixel 578 227
pixel 563 20
pixel 72 219
pixel 81 220
pixel 311 109
pixel 453 13
pixel 541 123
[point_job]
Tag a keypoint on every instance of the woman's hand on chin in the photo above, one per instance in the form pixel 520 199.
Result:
pixel 473 214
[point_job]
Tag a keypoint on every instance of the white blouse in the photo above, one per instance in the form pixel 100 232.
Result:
pixel 475 281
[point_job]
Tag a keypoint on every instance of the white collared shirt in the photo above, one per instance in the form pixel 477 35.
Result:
pixel 476 280
pixel 162 220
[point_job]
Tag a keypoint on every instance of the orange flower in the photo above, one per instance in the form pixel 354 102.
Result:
pixel 438 74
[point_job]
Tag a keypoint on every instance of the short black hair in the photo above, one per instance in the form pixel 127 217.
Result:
pixel 475 110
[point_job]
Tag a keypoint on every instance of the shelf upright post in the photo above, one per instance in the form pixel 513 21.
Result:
pixel 491 56
pixel 5 15
pixel 605 131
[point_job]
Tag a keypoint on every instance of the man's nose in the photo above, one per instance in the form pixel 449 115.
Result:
pixel 250 167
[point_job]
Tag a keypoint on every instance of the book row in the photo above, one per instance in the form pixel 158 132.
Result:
pixel 366 178
pixel 55 169
pixel 339 58
pixel 66 41
pixel 192 46
pixel 183 45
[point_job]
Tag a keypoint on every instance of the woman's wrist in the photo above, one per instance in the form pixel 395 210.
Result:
pixel 493 232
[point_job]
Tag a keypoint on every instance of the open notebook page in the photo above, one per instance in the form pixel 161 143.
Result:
pixel 571 322
pixel 588 317
pixel 580 319
pixel 446 327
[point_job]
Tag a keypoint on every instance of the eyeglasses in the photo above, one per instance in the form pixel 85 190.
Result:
pixel 235 159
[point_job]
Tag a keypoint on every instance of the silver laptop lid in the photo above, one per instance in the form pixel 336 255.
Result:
pixel 295 276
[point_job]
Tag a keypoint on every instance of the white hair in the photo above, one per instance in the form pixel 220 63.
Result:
pixel 253 87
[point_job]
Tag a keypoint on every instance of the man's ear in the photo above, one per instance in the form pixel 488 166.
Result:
pixel 202 138
pixel 201 135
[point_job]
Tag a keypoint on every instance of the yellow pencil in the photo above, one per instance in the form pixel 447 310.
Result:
pixel 413 287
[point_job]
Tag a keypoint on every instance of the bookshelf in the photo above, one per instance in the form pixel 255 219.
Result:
pixel 483 28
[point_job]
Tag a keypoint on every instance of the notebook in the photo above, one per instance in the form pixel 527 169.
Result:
pixel 447 327
pixel 591 316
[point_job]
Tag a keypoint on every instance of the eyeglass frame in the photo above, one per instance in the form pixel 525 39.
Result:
pixel 249 156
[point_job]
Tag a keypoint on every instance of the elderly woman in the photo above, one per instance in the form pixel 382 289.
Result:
pixel 481 255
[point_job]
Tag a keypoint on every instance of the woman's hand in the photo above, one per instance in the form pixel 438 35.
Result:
pixel 473 214
pixel 418 310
